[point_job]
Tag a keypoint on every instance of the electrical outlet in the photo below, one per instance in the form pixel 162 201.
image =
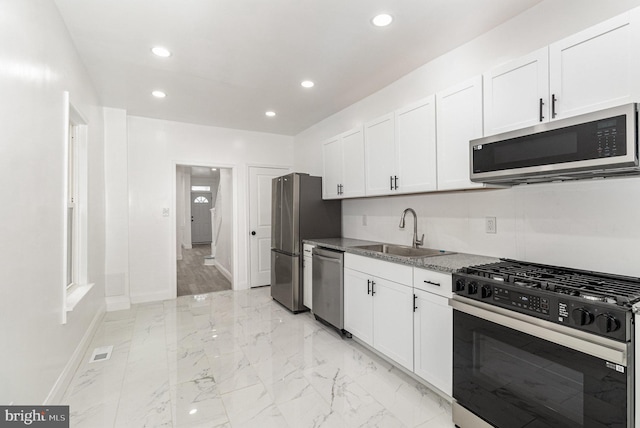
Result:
pixel 165 212
pixel 364 219
pixel 491 225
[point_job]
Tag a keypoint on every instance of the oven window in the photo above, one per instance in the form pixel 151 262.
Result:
pixel 514 380
pixel 544 383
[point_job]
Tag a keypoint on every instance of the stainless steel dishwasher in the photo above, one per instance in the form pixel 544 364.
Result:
pixel 328 287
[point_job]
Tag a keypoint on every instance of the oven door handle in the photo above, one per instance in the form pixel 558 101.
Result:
pixel 596 346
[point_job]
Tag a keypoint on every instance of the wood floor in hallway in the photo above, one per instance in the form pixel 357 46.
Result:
pixel 196 278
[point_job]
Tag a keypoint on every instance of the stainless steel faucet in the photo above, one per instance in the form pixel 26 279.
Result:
pixel 416 242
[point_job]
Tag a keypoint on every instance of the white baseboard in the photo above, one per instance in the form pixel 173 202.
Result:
pixel 117 303
pixel 224 271
pixel 187 246
pixel 63 381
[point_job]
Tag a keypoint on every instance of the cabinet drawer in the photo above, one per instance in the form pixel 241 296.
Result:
pixel 392 271
pixel 432 282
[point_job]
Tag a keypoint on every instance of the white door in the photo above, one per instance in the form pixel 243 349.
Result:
pixel 380 154
pixel 433 332
pixel 201 204
pixel 331 168
pixel 416 146
pixel 596 68
pixel 393 321
pixel 459 119
pixel 358 305
pixel 516 94
pixel 260 222
pixel 352 163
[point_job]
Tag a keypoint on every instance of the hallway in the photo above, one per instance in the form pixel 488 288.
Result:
pixel 196 278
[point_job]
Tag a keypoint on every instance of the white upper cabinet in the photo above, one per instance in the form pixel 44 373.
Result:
pixel 343 165
pixel 459 120
pixel 379 147
pixel 588 71
pixel 516 94
pixel 416 147
pixel 596 68
pixel 331 168
pixel 400 150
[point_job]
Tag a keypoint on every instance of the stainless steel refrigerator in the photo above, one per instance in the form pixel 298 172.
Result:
pixel 297 212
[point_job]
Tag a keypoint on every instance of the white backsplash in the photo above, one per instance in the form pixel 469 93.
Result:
pixel 592 224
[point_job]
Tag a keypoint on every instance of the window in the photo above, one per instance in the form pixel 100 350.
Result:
pixel 75 281
pixel 200 188
pixel 201 200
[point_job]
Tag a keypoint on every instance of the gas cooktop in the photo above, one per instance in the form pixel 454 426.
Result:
pixel 594 302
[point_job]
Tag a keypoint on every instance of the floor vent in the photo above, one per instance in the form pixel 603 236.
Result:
pixel 101 354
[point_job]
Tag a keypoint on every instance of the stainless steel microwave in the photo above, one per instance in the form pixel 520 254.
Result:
pixel 599 144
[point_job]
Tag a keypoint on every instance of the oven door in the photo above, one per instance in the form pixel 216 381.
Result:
pixel 544 377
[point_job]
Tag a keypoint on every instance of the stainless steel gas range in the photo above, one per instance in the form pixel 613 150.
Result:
pixel 542 346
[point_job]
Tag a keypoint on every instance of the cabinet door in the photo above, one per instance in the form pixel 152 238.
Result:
pixel 433 330
pixel 307 281
pixel 331 167
pixel 393 321
pixel 358 305
pixel 596 68
pixel 416 147
pixel 379 147
pixel 352 163
pixel 459 119
pixel 516 94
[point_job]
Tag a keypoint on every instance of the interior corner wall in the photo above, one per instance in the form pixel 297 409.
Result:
pixel 588 224
pixel 155 147
pixel 39 63
pixel 224 246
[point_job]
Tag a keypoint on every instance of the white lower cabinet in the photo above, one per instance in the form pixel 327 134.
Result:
pixel 358 305
pixel 433 340
pixel 403 313
pixel 307 276
pixel 379 311
pixel 393 321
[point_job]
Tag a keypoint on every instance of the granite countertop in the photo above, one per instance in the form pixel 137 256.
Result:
pixel 448 263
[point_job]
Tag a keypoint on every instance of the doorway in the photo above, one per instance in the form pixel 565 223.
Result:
pixel 204 244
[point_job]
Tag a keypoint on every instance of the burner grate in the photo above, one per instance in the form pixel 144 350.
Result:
pixel 595 286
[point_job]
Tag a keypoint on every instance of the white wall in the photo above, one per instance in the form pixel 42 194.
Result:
pixel 155 147
pixel 37 64
pixel 117 209
pixel 224 246
pixel 591 225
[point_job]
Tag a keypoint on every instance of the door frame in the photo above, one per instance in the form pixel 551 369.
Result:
pixel 235 285
pixel 248 213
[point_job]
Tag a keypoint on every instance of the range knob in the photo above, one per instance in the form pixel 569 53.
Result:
pixel 472 288
pixel 460 285
pixel 485 291
pixel 607 323
pixel 581 316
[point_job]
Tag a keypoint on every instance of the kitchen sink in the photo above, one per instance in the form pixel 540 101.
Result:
pixel 403 251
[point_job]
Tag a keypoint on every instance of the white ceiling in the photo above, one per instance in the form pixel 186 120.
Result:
pixel 235 59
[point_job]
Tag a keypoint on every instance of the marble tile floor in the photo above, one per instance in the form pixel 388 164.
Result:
pixel 238 359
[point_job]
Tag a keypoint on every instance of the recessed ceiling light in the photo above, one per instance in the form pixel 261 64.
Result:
pixel 270 113
pixel 158 94
pixel 193 411
pixel 382 20
pixel 307 84
pixel 161 51
pixel 214 169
